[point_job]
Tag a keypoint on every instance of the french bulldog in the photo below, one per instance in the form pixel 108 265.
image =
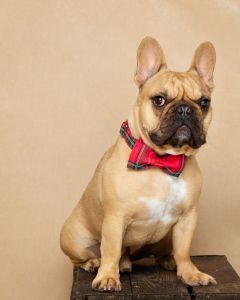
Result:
pixel 143 197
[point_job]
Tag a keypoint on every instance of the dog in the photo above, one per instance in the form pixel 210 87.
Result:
pixel 143 197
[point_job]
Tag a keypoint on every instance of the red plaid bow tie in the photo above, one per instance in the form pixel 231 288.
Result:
pixel 143 156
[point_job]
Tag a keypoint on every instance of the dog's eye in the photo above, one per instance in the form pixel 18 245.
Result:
pixel 158 101
pixel 204 104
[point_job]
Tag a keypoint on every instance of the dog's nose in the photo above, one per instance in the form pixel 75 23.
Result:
pixel 184 110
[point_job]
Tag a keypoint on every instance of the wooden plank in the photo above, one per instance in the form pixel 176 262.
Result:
pixel 82 289
pixel 151 282
pixel 228 287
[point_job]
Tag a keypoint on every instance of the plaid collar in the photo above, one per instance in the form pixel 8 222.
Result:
pixel 142 156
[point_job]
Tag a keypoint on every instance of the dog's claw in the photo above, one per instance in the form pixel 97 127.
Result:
pixel 106 284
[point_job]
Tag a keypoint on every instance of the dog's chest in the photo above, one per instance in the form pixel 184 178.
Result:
pixel 168 205
pixel 160 207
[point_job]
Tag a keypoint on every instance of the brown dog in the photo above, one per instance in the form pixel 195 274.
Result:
pixel 127 213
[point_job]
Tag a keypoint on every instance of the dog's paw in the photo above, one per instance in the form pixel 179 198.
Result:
pixel 125 265
pixel 106 284
pixel 91 265
pixel 197 278
pixel 126 269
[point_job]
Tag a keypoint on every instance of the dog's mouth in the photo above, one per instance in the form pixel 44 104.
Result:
pixel 178 136
pixel 181 137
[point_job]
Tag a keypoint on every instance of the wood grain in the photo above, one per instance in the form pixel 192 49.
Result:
pixel 148 281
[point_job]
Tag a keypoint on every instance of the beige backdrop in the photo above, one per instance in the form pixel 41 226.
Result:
pixel 66 84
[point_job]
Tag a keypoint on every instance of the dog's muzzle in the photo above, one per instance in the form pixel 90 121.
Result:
pixel 181 128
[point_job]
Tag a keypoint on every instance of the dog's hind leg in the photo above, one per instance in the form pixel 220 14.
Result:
pixel 163 253
pixel 167 262
pixel 80 246
pixel 125 264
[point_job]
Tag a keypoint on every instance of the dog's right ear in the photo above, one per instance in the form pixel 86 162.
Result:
pixel 150 60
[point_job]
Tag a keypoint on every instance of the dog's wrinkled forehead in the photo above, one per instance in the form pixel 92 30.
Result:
pixel 175 86
pixel 152 75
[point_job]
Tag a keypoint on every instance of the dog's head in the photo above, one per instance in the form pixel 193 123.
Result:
pixel 173 109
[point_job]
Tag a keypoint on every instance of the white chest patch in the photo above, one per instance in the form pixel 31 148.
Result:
pixel 165 210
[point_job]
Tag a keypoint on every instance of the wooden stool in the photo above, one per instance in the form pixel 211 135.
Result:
pixel 149 282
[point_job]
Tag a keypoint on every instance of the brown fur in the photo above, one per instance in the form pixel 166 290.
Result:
pixel 110 218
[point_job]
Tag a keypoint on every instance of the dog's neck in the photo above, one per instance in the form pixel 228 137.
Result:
pixel 132 123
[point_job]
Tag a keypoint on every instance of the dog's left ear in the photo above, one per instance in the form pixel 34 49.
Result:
pixel 204 62
pixel 150 59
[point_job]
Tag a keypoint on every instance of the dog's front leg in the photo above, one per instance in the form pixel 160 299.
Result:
pixel 107 278
pixel 182 237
